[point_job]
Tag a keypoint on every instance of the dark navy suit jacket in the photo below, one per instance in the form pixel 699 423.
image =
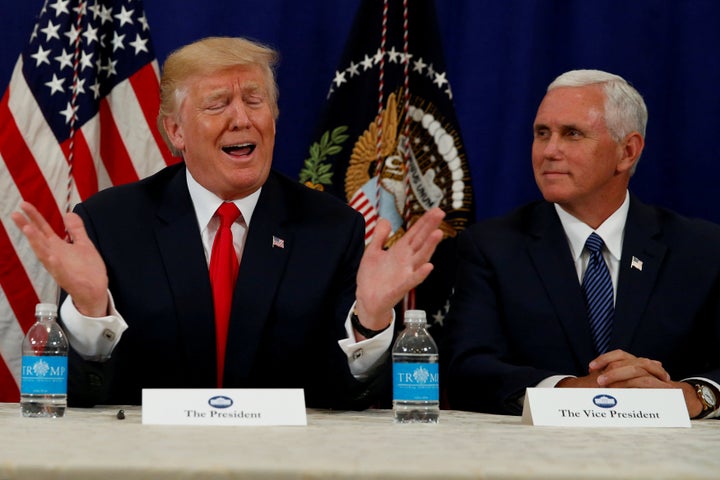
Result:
pixel 289 306
pixel 518 314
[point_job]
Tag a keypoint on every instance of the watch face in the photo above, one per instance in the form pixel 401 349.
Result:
pixel 708 395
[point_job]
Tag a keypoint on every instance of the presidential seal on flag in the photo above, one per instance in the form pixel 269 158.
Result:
pixel 389 142
pixel 435 171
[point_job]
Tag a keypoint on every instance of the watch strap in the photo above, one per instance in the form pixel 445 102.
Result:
pixel 363 330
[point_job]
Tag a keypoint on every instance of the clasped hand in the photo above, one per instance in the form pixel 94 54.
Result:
pixel 620 369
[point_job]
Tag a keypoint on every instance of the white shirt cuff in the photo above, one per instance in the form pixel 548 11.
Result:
pixel 94 338
pixel 551 382
pixel 548 382
pixel 365 355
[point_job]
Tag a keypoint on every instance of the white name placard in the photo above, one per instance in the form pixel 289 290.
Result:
pixel 255 407
pixel 596 407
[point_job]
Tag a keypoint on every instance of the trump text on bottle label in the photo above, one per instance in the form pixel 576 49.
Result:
pixel 44 375
pixel 416 382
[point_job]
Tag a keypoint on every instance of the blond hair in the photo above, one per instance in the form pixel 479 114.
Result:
pixel 205 57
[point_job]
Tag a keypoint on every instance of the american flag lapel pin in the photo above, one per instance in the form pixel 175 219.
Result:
pixel 636 263
pixel 278 242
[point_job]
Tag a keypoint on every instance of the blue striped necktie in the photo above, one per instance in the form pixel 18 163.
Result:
pixel 598 289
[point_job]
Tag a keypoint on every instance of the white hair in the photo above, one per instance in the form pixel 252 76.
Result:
pixel 625 109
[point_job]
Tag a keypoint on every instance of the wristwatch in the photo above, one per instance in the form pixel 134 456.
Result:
pixel 707 396
pixel 362 329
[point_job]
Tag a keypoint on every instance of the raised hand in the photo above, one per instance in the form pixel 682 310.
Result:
pixel 75 264
pixel 385 276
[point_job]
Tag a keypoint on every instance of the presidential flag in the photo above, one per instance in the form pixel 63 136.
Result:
pixel 389 142
pixel 78 116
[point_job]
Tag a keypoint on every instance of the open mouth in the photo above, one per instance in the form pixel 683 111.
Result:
pixel 242 149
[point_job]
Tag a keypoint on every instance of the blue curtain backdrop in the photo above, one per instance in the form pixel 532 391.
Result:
pixel 500 56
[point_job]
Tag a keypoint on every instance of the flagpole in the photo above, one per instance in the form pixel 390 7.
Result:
pixel 381 101
pixel 409 301
pixel 73 104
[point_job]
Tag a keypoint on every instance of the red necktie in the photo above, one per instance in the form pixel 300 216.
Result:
pixel 223 273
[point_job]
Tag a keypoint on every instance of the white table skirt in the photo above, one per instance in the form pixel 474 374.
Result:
pixel 94 444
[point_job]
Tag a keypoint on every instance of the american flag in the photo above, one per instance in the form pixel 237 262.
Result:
pixel 278 242
pixel 78 116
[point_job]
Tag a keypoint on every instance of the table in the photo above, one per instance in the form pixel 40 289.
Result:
pixel 94 444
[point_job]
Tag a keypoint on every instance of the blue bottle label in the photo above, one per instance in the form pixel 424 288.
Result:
pixel 417 382
pixel 44 375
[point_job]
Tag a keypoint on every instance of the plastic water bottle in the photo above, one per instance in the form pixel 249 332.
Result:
pixel 43 386
pixel 416 378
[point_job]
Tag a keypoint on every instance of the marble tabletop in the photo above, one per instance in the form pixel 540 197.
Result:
pixel 95 444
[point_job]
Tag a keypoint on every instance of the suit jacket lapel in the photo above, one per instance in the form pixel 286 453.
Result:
pixel 636 277
pixel 550 253
pixel 182 254
pixel 267 249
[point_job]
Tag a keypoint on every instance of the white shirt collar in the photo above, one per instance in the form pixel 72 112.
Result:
pixel 206 202
pixel 611 230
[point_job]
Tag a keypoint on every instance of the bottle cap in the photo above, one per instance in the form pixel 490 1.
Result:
pixel 415 316
pixel 45 309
